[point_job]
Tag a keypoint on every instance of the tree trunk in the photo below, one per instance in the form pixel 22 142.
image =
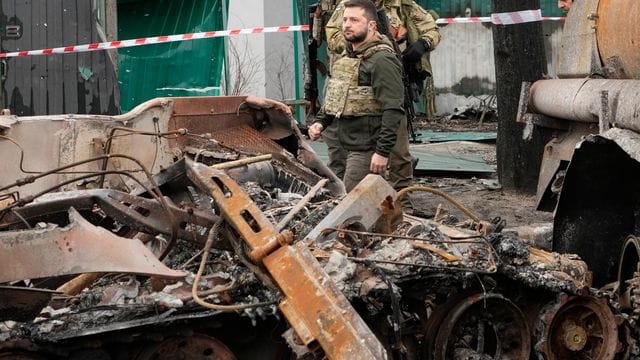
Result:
pixel 519 56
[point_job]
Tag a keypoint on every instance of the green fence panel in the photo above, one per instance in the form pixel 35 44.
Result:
pixel 187 68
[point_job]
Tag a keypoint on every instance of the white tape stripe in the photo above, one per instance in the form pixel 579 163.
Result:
pixel 518 17
pixel 499 19
pixel 483 19
pixel 152 40
pixel 463 20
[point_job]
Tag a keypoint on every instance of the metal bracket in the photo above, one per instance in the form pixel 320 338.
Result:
pixel 11 29
pixel 12 32
pixel 604 118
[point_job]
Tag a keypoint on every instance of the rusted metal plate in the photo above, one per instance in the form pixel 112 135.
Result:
pixel 313 305
pixel 246 139
pixel 206 105
pixel 135 212
pixel 22 304
pixel 209 114
pixel 77 248
pixel 618 32
pixel 557 154
pixel 364 201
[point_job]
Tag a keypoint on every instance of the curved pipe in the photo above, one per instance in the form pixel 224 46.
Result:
pixel 581 100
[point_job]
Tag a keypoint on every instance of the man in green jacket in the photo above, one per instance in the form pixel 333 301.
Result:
pixel 415 30
pixel 364 96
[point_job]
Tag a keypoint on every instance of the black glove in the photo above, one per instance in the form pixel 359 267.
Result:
pixel 415 51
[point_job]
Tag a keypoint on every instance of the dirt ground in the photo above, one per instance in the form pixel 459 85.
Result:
pixel 481 195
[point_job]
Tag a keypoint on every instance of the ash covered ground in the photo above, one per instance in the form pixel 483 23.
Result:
pixel 482 194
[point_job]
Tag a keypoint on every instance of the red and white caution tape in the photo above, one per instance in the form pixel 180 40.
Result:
pixel 517 17
pixel 118 44
pixel 508 18
pixel 464 20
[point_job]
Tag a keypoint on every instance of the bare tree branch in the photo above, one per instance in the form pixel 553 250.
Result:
pixel 245 65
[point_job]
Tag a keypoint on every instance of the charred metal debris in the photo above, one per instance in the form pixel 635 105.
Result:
pixel 207 228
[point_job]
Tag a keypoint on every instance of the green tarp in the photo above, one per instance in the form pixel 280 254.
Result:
pixel 431 160
pixel 187 68
pixel 432 136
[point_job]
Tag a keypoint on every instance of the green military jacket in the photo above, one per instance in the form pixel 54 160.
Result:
pixel 381 71
pixel 418 23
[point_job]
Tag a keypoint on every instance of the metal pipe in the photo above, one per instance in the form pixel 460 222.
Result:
pixel 580 100
pixel 302 203
pixel 241 162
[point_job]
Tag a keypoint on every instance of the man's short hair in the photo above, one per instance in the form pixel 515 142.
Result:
pixel 370 11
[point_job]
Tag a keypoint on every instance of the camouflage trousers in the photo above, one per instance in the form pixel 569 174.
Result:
pixel 400 172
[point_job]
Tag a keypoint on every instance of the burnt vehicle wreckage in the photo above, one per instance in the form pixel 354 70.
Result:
pixel 207 228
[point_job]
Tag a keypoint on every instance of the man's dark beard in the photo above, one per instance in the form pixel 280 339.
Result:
pixel 357 38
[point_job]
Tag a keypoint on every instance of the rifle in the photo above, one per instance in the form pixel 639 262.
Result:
pixel 311 78
pixel 410 78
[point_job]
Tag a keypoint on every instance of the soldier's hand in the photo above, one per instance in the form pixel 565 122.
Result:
pixel 415 51
pixel 315 130
pixel 378 164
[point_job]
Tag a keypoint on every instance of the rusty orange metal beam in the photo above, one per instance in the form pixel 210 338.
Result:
pixel 312 304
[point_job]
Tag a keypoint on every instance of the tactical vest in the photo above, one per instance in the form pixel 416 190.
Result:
pixel 343 96
pixel 328 6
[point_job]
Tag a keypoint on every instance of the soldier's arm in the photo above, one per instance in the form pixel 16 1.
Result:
pixel 323 119
pixel 386 80
pixel 426 24
pixel 333 31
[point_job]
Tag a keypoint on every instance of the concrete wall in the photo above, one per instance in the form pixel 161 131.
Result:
pixel 464 71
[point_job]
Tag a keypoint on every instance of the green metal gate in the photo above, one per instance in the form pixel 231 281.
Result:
pixel 187 68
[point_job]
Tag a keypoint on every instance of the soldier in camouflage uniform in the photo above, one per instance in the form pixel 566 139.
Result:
pixel 417 34
pixel 364 96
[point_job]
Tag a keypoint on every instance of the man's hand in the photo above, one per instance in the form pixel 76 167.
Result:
pixel 378 164
pixel 315 130
pixel 415 51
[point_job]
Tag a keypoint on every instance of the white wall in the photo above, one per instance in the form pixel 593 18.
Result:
pixel 463 66
pixel 267 59
pixel 279 51
pixel 250 48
